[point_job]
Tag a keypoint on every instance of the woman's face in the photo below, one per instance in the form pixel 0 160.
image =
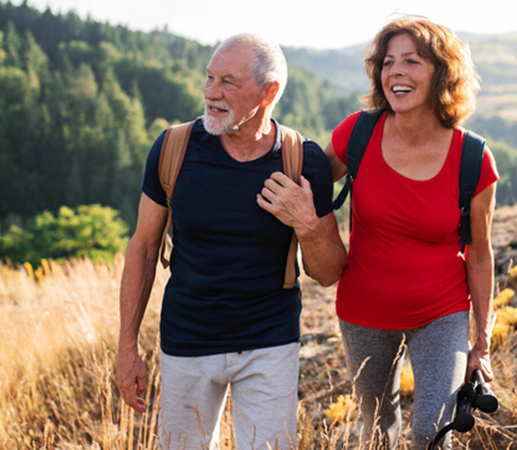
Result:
pixel 406 76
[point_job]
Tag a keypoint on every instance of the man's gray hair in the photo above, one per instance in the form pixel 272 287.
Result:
pixel 268 63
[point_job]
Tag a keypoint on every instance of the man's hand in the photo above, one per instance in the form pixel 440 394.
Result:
pixel 130 379
pixel 323 253
pixel 293 205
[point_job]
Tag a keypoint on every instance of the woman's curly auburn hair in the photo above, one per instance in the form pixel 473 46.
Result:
pixel 455 81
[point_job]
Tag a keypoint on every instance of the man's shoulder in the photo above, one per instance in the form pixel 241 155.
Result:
pixel 311 146
pixel 198 128
pixel 313 153
pixel 197 135
pixel 308 144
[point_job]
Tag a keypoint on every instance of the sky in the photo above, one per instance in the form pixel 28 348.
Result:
pixel 319 24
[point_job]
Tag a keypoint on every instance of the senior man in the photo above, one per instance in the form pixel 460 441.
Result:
pixel 227 319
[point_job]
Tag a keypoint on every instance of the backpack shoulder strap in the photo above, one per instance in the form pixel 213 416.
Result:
pixel 359 138
pixel 292 153
pixel 470 171
pixel 292 161
pixel 172 154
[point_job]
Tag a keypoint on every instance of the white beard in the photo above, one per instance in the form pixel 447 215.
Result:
pixel 217 127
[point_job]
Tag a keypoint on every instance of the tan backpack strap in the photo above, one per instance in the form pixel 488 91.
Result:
pixel 172 154
pixel 292 161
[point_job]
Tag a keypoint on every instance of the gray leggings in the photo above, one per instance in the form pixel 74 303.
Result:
pixel 374 358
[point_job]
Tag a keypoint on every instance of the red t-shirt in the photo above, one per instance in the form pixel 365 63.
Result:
pixel 404 266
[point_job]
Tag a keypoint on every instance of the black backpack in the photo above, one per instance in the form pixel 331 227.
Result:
pixel 470 167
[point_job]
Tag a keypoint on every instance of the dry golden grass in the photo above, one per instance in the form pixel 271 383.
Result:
pixel 57 347
pixel 57 343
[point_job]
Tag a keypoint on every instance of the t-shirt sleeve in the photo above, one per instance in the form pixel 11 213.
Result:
pixel 489 173
pixel 316 169
pixel 151 184
pixel 341 135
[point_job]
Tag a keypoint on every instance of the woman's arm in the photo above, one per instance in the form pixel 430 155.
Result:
pixel 339 169
pixel 480 278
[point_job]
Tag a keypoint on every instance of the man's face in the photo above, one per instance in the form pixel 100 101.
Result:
pixel 231 96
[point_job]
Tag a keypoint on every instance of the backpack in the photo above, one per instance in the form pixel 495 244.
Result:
pixel 173 152
pixel 470 167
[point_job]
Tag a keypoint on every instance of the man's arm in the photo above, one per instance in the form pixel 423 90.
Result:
pixel 137 281
pixel 324 255
pixel 480 277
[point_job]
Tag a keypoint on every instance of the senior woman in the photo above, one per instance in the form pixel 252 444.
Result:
pixel 407 284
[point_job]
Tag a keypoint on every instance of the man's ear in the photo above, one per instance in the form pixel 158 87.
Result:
pixel 271 93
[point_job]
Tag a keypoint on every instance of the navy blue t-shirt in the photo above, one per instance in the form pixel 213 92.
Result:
pixel 225 292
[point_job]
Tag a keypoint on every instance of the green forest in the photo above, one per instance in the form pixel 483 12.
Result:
pixel 82 101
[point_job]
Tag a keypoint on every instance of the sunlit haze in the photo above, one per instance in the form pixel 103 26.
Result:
pixel 323 24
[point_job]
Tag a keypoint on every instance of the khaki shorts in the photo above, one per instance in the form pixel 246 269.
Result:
pixel 264 398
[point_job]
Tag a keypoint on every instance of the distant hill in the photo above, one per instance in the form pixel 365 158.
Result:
pixel 495 57
pixel 81 102
pixel 496 60
pixel 343 67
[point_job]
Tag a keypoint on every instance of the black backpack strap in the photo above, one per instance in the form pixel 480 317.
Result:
pixel 470 171
pixel 361 134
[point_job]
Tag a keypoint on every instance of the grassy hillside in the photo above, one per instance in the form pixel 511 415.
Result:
pixel 58 332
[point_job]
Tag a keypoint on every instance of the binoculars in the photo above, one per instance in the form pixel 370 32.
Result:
pixel 476 394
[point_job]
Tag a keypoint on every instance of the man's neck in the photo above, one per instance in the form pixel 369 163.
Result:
pixel 250 142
